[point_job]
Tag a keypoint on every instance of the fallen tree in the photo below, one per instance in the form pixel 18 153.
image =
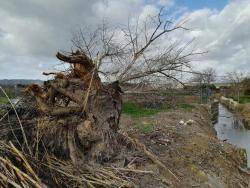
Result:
pixel 75 116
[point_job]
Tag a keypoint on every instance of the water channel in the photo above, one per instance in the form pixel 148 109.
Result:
pixel 231 129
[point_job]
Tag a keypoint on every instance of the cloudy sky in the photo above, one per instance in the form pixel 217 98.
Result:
pixel 32 31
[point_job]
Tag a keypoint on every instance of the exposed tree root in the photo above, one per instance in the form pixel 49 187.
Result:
pixel 73 128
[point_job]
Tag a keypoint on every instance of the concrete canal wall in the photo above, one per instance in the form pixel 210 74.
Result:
pixel 241 109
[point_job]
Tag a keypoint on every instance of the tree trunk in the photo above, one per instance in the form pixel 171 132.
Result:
pixel 78 115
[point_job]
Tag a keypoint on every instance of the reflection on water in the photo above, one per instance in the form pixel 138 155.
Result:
pixel 231 129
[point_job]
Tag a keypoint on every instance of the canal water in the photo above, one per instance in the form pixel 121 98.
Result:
pixel 231 129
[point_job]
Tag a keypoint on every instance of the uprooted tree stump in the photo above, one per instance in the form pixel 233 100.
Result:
pixel 77 115
pixel 73 116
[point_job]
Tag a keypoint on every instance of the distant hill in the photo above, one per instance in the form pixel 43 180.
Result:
pixel 13 82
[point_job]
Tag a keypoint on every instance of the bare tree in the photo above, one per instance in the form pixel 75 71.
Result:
pixel 210 75
pixel 133 52
pixel 207 76
pixel 204 79
pixel 236 81
pixel 246 85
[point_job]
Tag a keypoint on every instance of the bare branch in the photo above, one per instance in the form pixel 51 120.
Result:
pixel 130 53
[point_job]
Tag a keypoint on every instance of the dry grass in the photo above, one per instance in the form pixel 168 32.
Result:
pixel 21 170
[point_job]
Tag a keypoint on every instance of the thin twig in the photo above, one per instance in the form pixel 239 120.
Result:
pixel 20 123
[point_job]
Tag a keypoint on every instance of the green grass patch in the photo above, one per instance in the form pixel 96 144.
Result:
pixel 185 106
pixel 144 127
pixel 133 110
pixel 3 100
pixel 243 99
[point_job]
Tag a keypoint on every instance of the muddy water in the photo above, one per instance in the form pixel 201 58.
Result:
pixel 231 129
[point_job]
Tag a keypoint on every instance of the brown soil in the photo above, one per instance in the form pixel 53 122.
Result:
pixel 190 150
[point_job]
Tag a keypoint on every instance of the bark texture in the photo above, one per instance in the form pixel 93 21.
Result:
pixel 77 116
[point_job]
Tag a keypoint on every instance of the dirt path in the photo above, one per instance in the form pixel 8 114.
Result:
pixel 186 143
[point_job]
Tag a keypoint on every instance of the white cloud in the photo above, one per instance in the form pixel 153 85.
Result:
pixel 148 11
pixel 116 10
pixel 32 32
pixel 165 2
pixel 36 30
pixel 225 34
